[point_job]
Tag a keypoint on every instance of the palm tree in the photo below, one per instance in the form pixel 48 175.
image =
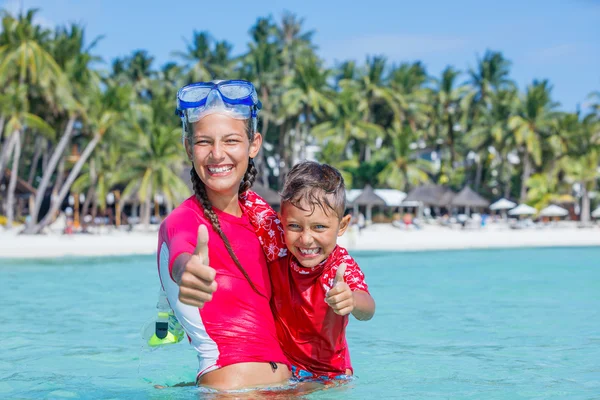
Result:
pixel 100 175
pixel 531 127
pixel 375 95
pixel 490 130
pixel 262 66
pixel 448 108
pixel 492 74
pixel 581 157
pixel 595 105
pixel 543 189
pixel 25 63
pixel 154 162
pixel 584 171
pixel 197 57
pixel 406 168
pixel 293 43
pixel 308 95
pixel 18 123
pixel 104 110
pixel 75 59
pixel 407 83
pixel 347 125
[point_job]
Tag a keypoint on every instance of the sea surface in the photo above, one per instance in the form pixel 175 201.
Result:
pixel 476 324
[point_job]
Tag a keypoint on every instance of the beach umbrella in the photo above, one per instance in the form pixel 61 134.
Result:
pixel 553 211
pixel 596 213
pixel 502 204
pixel 523 209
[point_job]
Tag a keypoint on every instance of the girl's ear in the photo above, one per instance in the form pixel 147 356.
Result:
pixel 188 150
pixel 255 144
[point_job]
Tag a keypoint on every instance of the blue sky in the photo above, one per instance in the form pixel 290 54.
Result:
pixel 558 40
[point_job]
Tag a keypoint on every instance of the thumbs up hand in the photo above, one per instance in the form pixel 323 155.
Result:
pixel 340 297
pixel 197 282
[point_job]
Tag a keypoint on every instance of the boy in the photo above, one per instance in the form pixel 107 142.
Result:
pixel 316 284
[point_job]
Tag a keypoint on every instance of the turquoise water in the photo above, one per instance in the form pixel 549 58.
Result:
pixel 497 324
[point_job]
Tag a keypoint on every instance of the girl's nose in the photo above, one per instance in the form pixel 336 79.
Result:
pixel 217 151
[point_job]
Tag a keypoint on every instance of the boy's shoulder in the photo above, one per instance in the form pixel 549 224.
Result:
pixel 353 276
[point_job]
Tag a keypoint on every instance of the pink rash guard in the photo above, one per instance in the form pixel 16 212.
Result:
pixel 237 326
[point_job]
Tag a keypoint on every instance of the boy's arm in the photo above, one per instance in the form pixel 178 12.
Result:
pixel 266 224
pixel 364 305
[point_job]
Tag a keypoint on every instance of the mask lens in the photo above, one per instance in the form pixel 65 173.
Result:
pixel 195 93
pixel 235 90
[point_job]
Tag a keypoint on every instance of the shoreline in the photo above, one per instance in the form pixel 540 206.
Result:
pixel 378 237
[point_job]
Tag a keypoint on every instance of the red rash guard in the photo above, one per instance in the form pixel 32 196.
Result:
pixel 237 325
pixel 311 334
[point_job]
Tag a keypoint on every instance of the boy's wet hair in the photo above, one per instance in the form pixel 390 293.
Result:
pixel 315 184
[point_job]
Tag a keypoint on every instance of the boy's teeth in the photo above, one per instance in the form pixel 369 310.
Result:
pixel 309 251
pixel 216 170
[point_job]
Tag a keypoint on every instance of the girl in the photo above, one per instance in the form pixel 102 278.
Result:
pixel 224 307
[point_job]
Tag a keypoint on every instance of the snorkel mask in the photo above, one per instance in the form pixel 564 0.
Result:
pixel 234 98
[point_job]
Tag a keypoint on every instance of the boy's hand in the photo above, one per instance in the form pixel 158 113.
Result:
pixel 197 283
pixel 340 297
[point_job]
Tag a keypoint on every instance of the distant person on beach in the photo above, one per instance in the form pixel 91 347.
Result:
pixel 316 284
pixel 210 261
pixel 361 221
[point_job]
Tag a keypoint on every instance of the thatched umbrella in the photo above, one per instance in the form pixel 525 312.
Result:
pixel 469 199
pixel 429 196
pixel 367 198
pixel 447 198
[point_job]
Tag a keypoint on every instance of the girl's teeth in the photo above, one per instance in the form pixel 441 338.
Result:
pixel 219 169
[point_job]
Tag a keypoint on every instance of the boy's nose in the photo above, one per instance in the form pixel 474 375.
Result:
pixel 306 238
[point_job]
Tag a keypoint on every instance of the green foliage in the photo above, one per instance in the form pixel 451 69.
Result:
pixel 378 123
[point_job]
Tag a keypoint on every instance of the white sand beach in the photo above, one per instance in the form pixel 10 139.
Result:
pixel 375 237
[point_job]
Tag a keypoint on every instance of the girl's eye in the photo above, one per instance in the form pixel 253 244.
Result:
pixel 202 142
pixel 232 141
pixel 294 227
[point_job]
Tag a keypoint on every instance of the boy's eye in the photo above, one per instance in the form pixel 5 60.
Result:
pixel 202 142
pixel 320 227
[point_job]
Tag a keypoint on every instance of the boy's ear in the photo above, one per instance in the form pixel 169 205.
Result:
pixel 344 223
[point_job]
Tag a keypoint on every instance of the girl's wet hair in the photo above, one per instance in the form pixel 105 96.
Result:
pixel 315 184
pixel 202 196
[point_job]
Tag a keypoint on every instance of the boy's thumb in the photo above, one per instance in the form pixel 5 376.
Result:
pixel 339 275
